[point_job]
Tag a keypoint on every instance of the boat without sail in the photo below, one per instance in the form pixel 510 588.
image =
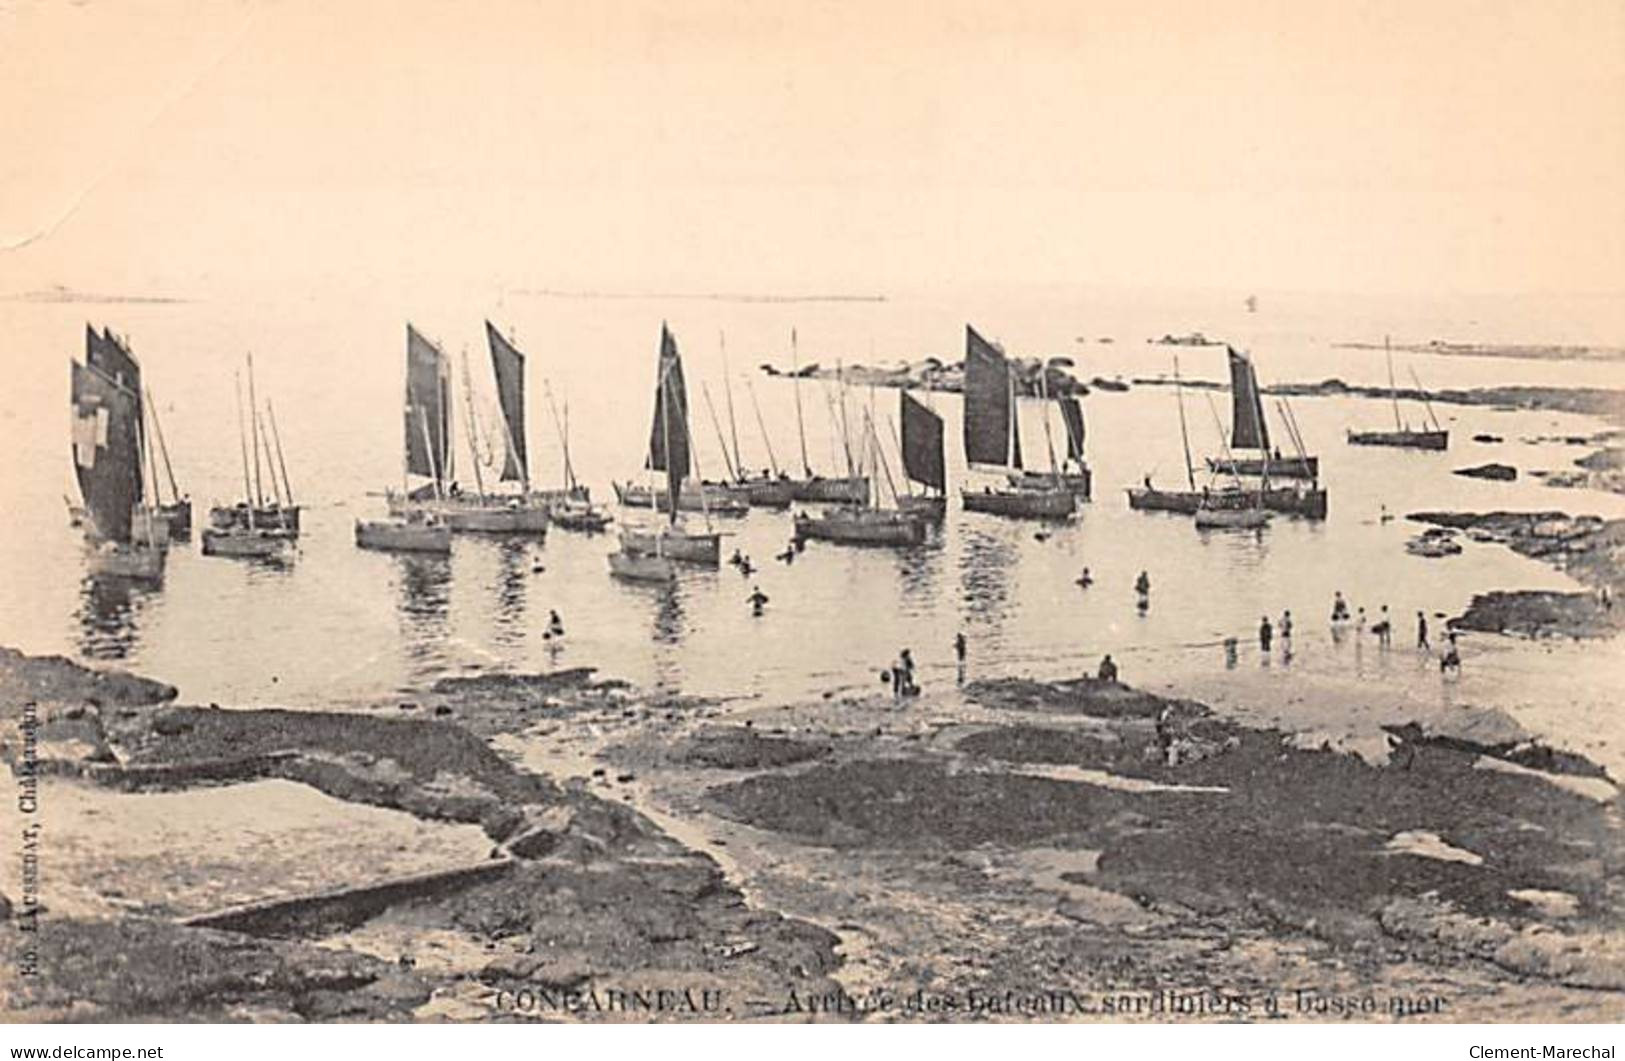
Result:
pixel 1403 436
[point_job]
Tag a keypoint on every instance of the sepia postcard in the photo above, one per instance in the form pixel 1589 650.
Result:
pixel 813 512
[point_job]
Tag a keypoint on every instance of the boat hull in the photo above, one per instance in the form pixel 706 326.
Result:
pixel 494 515
pixel 1021 504
pixel 1431 440
pixel 262 544
pixel 580 516
pixel 149 527
pixel 1306 501
pixel 768 493
pixel 109 560
pixel 1274 467
pixel 853 490
pixel 931 508
pixel 639 567
pixel 1078 484
pixel 1231 518
pixel 862 527
pixel 266 517
pixel 717 499
pixel 178 516
pixel 403 537
pixel 674 545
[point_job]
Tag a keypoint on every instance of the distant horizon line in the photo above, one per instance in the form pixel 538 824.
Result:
pixel 692 296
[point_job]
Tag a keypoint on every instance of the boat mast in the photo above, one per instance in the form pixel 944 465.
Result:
pixel 470 429
pixel 253 434
pixel 242 444
pixel 1184 433
pixel 276 436
pixel 158 429
pixel 728 394
pixel 1224 440
pixel 908 484
pixel 1426 403
pixel 846 434
pixel 1393 394
pixel 801 426
pixel 428 446
pixel 562 426
pixel 276 488
pixel 880 458
pixel 722 442
pixel 772 461
pixel 1257 408
pixel 1049 440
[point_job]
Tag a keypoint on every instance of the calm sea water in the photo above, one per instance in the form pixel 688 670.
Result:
pixel 338 624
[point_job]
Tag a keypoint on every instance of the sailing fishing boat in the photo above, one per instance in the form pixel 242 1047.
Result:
pixel 670 451
pixel 247 538
pixel 508 368
pixel 923 462
pixel 1248 430
pixel 768 488
pixel 414 524
pixel 1294 499
pixel 571 507
pixel 993 440
pixel 1236 509
pixel 108 462
pixel 256 511
pixel 176 513
pixel 869 523
pixel 852 489
pixel 1436 438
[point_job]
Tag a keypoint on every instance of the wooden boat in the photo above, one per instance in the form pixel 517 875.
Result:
pixel 1404 439
pixel 1273 467
pixel 247 538
pixel 993 440
pixel 242 515
pixel 920 443
pixel 642 567
pixel 646 552
pixel 675 542
pixel 861 525
pixel 430 454
pixel 257 510
pixel 1434 438
pixel 580 516
pixel 812 488
pixel 404 535
pixel 1249 518
pixel 717 499
pixel 125 537
pixel 251 542
pixel 1249 430
pixel 1306 501
pixel 816 489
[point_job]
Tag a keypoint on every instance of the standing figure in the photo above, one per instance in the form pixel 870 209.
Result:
pixel 1108 669
pixel 1265 633
pixel 757 600
pixel 1422 632
pixel 960 646
pixel 555 625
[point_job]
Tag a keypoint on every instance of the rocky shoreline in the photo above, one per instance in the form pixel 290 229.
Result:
pixel 967 857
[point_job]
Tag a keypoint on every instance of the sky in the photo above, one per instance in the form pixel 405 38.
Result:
pixel 801 147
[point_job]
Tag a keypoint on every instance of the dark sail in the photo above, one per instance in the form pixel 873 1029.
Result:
pixel 105 354
pixel 509 366
pixel 106 451
pixel 1247 427
pixel 922 443
pixel 989 433
pixel 1072 416
pixel 428 408
pixel 668 437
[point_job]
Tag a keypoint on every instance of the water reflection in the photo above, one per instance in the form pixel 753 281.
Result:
pixel 513 577
pixel 918 571
pixel 109 615
pixel 668 616
pixel 985 563
pixel 424 584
